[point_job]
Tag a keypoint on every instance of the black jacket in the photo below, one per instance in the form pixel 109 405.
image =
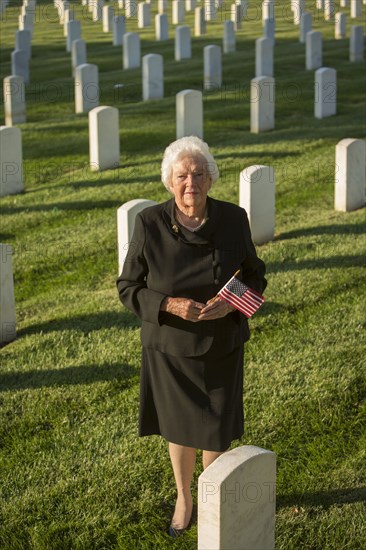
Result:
pixel 165 260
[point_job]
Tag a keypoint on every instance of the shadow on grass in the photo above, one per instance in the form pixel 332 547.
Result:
pixel 80 205
pixel 245 154
pixel 324 499
pixel 334 229
pixel 357 260
pixel 124 375
pixel 85 323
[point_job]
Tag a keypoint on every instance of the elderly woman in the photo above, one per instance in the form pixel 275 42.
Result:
pixel 182 252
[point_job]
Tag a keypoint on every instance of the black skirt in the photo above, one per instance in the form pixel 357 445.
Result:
pixel 192 401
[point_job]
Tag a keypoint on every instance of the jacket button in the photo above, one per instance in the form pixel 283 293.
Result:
pixel 216 281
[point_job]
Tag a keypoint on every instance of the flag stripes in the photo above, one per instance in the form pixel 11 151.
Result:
pixel 242 297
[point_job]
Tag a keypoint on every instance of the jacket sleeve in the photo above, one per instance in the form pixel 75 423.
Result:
pixel 252 269
pixel 131 284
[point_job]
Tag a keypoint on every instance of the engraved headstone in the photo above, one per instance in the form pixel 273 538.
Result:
pixel 189 114
pixel 236 501
pixel 126 215
pixel 182 45
pixel 131 50
pixel 104 149
pixel 161 27
pixel 86 87
pixel 14 100
pixel 212 67
pixel 262 104
pixel 152 76
pixel 314 50
pixel 350 175
pixel 325 103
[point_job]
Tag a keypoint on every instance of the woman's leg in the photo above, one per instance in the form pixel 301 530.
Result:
pixel 183 462
pixel 209 456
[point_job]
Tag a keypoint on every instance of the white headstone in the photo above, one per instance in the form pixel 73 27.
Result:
pixel 86 88
pixel 182 45
pixel 199 22
pixel 98 10
pixel 178 11
pixel 130 8
pixel 143 15
pixel 78 53
pixel 264 57
pixel 298 9
pixel 325 103
pixel 235 15
pixel 229 42
pixel 26 23
pixel 191 5
pixel 7 300
pixel 212 68
pixel 210 10
pixel 11 161
pixel 268 10
pixel 236 501
pixel 119 25
pixel 152 76
pixel 23 41
pixel 329 10
pixel 269 28
pixel 131 50
pixel 314 50
pixel 108 15
pixel 104 147
pixel 350 175
pixel 20 65
pixel 73 33
pixel 189 114
pixel 340 25
pixel 356 43
pixel 356 8
pixel 344 3
pixel 126 215
pixel 68 16
pixel 14 100
pixel 62 8
pixel 257 197
pixel 306 23
pixel 161 26
pixel 162 6
pixel 262 104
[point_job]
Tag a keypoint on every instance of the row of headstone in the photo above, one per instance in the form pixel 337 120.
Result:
pixel 257 195
pixel 21 55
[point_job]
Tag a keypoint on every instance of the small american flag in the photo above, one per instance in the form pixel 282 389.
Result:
pixel 242 297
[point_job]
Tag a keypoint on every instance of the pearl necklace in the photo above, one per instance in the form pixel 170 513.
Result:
pixel 187 226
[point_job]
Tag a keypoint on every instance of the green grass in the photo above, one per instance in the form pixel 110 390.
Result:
pixel 74 474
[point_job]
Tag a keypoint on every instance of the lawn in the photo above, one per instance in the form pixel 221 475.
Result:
pixel 73 473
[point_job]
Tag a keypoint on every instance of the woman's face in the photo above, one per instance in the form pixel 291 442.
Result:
pixel 190 183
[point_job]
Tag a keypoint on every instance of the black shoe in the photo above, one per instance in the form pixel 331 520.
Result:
pixel 175 533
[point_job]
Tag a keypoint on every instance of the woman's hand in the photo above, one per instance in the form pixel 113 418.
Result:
pixel 214 309
pixel 183 307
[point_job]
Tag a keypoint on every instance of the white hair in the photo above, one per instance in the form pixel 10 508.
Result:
pixel 183 147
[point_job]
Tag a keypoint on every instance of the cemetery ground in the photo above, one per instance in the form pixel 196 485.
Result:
pixel 74 474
